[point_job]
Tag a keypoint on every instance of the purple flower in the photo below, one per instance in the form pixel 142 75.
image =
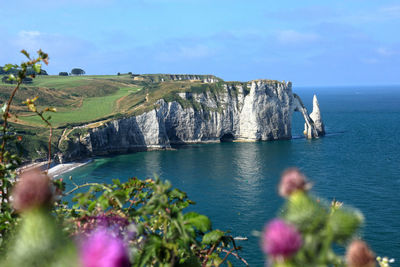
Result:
pixel 103 249
pixel 281 240
pixel 292 180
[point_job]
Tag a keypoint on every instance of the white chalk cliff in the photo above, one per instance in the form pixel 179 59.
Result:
pixel 260 110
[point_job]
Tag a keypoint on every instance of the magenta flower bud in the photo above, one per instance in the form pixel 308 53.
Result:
pixel 359 255
pixel 281 240
pixel 33 189
pixel 103 249
pixel 292 180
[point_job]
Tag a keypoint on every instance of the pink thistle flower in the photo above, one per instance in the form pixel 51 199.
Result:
pixel 103 249
pixel 281 240
pixel 292 180
pixel 33 189
pixel 359 255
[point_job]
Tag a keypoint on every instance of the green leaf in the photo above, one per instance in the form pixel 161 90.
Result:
pixel 3 109
pixel 150 250
pixel 212 237
pixel 344 223
pixel 37 67
pixel 305 212
pixel 23 51
pixel 176 193
pixel 11 77
pixel 92 206
pixel 201 222
pixel 8 67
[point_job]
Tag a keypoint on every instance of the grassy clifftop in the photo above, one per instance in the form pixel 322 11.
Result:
pixel 96 99
pixel 78 99
pixel 86 99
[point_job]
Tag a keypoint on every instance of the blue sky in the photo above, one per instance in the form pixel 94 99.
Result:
pixel 341 42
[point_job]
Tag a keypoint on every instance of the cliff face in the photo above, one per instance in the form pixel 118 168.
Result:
pixel 259 110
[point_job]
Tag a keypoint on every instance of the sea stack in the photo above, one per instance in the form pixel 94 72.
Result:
pixel 316 117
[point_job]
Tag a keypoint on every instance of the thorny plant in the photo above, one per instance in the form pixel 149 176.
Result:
pixel 9 161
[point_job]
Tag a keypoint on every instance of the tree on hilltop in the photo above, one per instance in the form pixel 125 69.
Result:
pixel 77 71
pixel 29 71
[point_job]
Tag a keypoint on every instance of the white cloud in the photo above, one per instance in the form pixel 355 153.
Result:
pixel 390 11
pixel 384 51
pixel 295 37
pixel 28 34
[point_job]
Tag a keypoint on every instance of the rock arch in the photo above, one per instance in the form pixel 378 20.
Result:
pixel 313 126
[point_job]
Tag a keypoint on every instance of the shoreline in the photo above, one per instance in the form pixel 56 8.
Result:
pixel 55 170
pixel 62 168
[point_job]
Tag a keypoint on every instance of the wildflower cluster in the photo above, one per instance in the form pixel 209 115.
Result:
pixel 308 229
pixel 136 223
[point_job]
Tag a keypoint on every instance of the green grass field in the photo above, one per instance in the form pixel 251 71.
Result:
pixel 63 82
pixel 78 99
pixel 92 109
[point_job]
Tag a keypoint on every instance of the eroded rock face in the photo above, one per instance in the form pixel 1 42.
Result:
pixel 313 126
pixel 266 112
pixel 258 110
pixel 316 117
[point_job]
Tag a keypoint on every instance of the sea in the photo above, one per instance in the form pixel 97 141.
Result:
pixel 235 184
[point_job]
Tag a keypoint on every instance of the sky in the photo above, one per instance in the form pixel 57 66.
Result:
pixel 325 43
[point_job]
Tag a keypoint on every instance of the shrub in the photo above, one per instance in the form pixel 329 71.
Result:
pixel 77 71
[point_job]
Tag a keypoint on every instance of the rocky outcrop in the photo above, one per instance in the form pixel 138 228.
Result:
pixel 316 117
pixel 313 126
pixel 260 110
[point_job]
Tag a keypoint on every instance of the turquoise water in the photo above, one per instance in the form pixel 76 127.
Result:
pixel 358 162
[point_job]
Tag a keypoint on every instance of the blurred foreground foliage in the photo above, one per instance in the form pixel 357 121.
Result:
pixel 146 215
pixel 309 231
